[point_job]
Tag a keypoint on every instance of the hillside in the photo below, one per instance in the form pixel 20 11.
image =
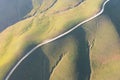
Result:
pixel 90 52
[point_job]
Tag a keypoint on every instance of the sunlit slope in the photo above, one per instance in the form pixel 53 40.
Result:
pixel 19 38
pixel 61 7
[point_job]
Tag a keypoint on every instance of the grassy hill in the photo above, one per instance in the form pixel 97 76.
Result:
pixel 91 52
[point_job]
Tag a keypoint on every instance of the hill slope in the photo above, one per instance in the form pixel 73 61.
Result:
pixel 91 52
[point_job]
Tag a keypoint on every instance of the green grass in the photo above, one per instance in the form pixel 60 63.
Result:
pixel 18 37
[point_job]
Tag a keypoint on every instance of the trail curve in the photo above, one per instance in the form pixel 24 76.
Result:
pixel 50 40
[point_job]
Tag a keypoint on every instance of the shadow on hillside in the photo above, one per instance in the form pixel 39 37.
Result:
pixel 112 9
pixel 34 67
pixel 83 61
pixel 13 11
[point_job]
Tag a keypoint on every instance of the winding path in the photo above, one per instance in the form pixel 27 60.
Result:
pixel 50 40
